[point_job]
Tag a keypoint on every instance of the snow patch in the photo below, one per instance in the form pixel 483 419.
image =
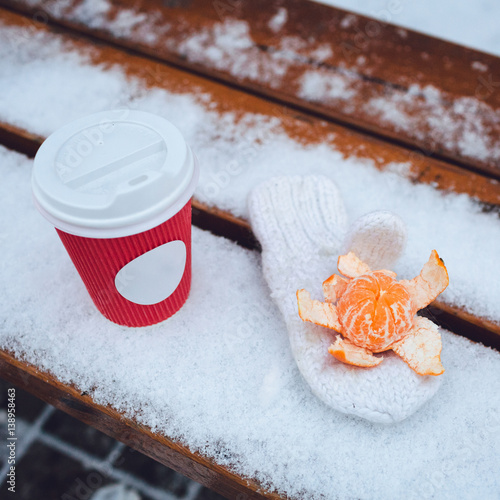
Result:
pixel 318 85
pixel 348 21
pixel 479 66
pixel 278 20
pixel 461 124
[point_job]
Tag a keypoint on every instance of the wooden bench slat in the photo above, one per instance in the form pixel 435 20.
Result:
pixel 373 59
pixel 300 126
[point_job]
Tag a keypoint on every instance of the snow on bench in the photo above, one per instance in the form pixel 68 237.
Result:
pixel 48 82
pixel 438 98
pixel 219 376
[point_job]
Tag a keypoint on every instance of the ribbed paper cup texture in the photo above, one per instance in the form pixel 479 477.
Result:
pixel 98 261
pixel 117 186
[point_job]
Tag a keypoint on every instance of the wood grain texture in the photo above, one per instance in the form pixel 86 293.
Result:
pixel 300 126
pixel 371 60
pixel 171 454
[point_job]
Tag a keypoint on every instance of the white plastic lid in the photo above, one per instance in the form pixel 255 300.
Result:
pixel 113 174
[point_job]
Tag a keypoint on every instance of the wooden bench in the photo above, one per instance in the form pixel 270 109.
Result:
pixel 374 60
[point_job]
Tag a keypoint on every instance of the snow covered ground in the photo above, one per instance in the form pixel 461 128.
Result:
pixel 473 24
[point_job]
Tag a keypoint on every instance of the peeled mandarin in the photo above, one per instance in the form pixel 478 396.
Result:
pixel 375 311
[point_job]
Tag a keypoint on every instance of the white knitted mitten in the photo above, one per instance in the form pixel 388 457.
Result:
pixel 377 238
pixel 300 223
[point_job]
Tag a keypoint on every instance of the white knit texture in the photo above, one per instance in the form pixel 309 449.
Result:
pixel 377 238
pixel 301 224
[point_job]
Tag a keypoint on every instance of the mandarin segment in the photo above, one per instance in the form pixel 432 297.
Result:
pixel 421 349
pixel 347 352
pixel 392 274
pixel 314 311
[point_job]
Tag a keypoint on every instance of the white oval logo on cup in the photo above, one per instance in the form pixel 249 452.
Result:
pixel 154 275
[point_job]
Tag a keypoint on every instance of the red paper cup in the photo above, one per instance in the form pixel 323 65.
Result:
pixel 117 186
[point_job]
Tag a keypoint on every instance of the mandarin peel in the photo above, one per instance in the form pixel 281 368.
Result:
pixel 374 312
